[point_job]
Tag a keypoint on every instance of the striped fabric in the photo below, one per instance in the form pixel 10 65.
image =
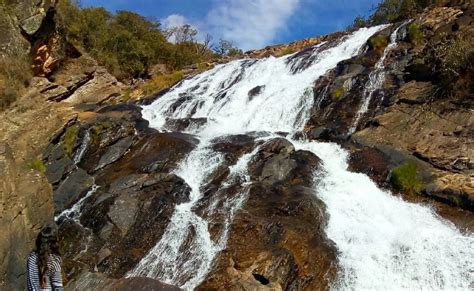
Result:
pixel 54 279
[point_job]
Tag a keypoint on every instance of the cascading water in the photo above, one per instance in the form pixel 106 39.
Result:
pixel 82 148
pixel 376 79
pixel 382 240
pixel 386 243
pixel 74 212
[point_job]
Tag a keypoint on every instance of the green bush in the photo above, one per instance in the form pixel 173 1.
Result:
pixel 37 165
pixel 389 11
pixel 287 51
pixel 378 42
pixel 128 44
pixel 161 82
pixel 405 178
pixel 415 35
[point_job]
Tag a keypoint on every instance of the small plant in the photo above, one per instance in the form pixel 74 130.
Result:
pixel 97 129
pixel 161 82
pixel 287 51
pixel 37 165
pixel 415 35
pixel 378 42
pixel 126 95
pixel 337 93
pixel 405 178
pixel 69 139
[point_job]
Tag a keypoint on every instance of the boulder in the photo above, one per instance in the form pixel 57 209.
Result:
pixel 115 152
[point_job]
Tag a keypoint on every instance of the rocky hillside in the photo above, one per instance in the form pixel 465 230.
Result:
pixel 71 139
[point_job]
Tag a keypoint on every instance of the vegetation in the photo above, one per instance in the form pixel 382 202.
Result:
pixel 287 51
pixel 405 178
pixel 378 42
pixel 128 44
pixel 388 11
pixel 69 139
pixel 337 93
pixel 415 35
pixel 161 82
pixel 455 60
pixel 37 165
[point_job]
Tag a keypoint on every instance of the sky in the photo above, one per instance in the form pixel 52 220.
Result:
pixel 249 24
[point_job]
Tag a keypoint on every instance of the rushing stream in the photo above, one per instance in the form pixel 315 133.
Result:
pixel 384 242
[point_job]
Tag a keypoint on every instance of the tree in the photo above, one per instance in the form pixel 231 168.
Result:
pixel 226 48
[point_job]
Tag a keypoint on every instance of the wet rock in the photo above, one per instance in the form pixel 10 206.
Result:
pixel 115 152
pixel 71 189
pixel 372 162
pixel 184 123
pixel 123 212
pixel 255 91
pixel 273 161
pixel 277 240
pixel 58 165
pixel 96 281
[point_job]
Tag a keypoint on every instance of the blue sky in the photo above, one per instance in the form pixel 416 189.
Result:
pixel 249 23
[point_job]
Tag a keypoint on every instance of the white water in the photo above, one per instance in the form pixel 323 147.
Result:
pixel 384 242
pixel 82 148
pixel 376 80
pixel 74 212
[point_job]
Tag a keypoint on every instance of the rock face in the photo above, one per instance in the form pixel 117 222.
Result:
pixel 277 240
pixel 134 195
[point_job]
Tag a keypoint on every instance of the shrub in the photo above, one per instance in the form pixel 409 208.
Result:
pixel 37 165
pixel 287 51
pixel 127 44
pixel 415 35
pixel 69 139
pixel 455 63
pixel 405 178
pixel 378 42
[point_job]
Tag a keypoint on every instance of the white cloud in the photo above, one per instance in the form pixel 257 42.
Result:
pixel 249 24
pixel 174 20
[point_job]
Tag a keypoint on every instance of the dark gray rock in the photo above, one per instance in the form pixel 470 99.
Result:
pixel 115 152
pixel 123 212
pixel 58 165
pixel 71 189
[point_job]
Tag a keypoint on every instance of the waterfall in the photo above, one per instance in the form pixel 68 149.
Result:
pixel 74 212
pixel 384 242
pixel 362 217
pixel 376 80
pixel 82 148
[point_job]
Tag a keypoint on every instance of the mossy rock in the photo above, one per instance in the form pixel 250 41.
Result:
pixel 69 139
pixel 337 93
